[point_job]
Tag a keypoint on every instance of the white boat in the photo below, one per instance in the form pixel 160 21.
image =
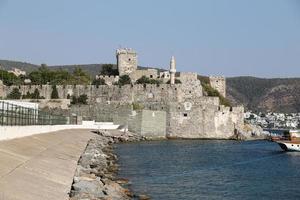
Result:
pixel 291 142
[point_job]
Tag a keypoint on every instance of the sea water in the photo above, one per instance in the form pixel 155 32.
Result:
pixel 210 169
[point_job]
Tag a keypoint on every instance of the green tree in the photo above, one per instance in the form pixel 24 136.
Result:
pixel 146 80
pixel 46 74
pixel 35 77
pixel 143 80
pixel 54 93
pixel 81 77
pixel 27 95
pixel 41 76
pixel 99 81
pixel 108 70
pixel 9 78
pixel 61 77
pixel 15 94
pixel 54 77
pixel 124 80
pixel 36 94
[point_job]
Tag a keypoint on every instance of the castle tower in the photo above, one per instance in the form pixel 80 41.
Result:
pixel 218 83
pixel 126 61
pixel 172 70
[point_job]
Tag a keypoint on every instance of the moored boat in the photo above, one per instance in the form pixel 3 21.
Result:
pixel 291 142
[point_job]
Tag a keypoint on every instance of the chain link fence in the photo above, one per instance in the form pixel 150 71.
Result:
pixel 15 115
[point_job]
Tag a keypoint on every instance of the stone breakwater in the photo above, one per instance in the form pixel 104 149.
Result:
pixel 95 176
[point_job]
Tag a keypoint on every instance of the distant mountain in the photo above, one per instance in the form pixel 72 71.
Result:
pixel 259 94
pixel 8 65
pixel 92 69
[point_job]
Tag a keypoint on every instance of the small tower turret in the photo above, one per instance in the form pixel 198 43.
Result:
pixel 126 61
pixel 172 70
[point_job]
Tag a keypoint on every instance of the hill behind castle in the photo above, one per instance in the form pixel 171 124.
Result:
pixel 91 69
pixel 261 94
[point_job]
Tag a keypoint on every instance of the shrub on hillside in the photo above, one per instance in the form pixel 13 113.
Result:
pixel 215 93
pixel 204 79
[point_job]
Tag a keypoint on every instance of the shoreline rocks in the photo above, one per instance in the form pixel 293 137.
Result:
pixel 251 132
pixel 95 176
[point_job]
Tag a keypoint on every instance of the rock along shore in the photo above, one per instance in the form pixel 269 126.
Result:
pixel 95 177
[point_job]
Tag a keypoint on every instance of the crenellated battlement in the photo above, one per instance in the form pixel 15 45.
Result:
pixel 109 80
pixel 125 51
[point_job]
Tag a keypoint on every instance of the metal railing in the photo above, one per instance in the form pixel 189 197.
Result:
pixel 15 115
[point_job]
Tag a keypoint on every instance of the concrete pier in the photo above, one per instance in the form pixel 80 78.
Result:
pixel 40 167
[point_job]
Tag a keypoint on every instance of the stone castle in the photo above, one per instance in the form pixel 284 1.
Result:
pixel 170 109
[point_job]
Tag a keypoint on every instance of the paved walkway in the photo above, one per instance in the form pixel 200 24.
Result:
pixel 40 167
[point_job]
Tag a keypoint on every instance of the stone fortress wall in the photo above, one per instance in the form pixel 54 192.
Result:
pixel 188 114
pixel 150 73
pixel 148 123
pixel 106 93
pixel 172 110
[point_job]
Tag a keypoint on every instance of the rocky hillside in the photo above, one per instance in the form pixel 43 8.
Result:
pixel 258 94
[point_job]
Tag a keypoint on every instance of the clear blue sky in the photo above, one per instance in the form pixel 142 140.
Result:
pixel 212 37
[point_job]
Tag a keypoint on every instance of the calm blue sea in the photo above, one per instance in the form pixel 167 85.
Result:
pixel 210 169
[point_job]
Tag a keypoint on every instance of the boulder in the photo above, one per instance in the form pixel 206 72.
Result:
pixel 115 191
pixel 91 187
pixel 250 132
